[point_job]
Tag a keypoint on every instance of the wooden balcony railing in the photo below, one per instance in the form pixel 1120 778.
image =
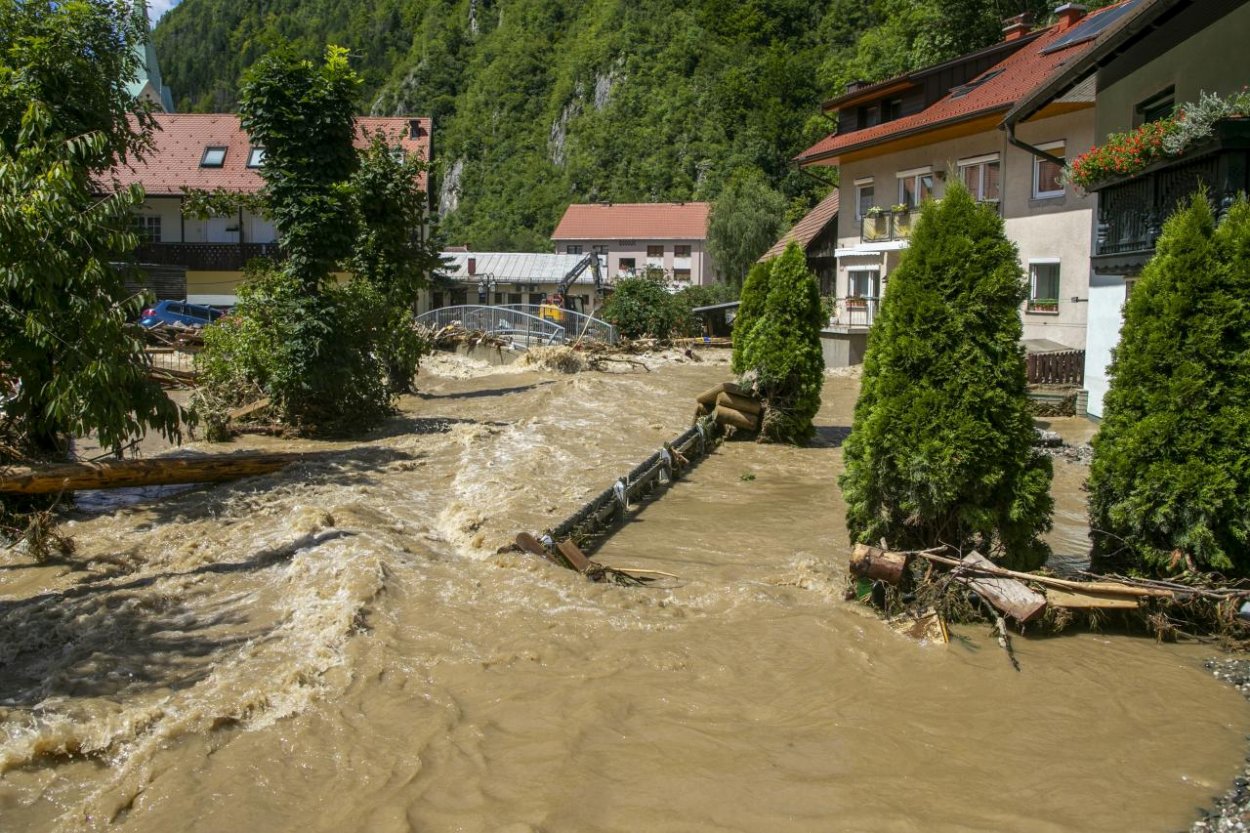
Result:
pixel 209 257
pixel 1061 368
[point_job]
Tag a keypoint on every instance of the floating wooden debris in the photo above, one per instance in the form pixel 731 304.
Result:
pixel 925 626
pixel 249 409
pixel 1083 600
pixel 152 471
pixel 1013 598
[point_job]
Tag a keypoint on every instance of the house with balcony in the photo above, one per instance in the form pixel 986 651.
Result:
pixel 202 259
pixel 817 234
pixel 1160 55
pixel 670 237
pixel 901 141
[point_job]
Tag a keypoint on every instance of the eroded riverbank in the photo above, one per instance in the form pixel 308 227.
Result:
pixel 339 648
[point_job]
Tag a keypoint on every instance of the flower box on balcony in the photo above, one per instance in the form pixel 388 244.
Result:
pixel 875 227
pixel 1051 307
pixel 856 303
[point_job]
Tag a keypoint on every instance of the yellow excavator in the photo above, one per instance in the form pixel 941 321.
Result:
pixel 555 304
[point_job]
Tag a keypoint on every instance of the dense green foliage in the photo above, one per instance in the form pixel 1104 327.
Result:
pixel 1170 480
pixel 781 355
pixel 64 310
pixel 539 103
pixel 941 448
pixel 747 217
pixel 752 300
pixel 393 253
pixel 642 306
pixel 328 354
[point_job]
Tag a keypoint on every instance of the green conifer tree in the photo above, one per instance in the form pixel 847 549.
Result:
pixel 750 308
pixel 1170 479
pixel 781 353
pixel 941 446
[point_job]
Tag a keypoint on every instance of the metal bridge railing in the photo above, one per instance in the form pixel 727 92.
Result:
pixel 526 324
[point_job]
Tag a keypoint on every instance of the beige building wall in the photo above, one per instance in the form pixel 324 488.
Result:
pixel 1212 61
pixel 698 263
pixel 1045 230
pixel 175 228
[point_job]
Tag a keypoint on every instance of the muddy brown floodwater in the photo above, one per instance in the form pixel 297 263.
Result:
pixel 339 648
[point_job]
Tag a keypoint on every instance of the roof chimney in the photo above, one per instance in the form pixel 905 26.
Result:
pixel 1017 27
pixel 414 129
pixel 472 266
pixel 1068 14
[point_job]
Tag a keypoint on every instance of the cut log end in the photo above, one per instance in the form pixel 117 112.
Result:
pixel 879 565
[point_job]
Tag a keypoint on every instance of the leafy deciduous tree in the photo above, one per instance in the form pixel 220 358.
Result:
pixel 941 448
pixel 745 220
pixel 65 119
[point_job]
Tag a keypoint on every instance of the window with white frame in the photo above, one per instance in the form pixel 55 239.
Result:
pixel 862 283
pixel 915 186
pixel 981 176
pixel 1043 286
pixel 256 157
pixel 865 197
pixel 148 228
pixel 1047 175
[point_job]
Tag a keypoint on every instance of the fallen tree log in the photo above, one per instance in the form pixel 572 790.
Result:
pixel 708 397
pixel 152 471
pixel 745 404
pixel 728 416
pixel 1008 595
pixel 248 410
pixel 879 565
pixel 993 570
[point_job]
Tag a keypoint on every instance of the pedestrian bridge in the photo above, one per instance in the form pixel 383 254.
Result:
pixel 528 325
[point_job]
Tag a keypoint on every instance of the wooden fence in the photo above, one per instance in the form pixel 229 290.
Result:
pixel 1063 368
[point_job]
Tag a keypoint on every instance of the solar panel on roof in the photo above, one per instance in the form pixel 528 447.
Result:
pixel 1091 27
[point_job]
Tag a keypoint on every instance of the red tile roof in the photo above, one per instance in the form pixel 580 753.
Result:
pixel 994 91
pixel 805 230
pixel 174 163
pixel 634 221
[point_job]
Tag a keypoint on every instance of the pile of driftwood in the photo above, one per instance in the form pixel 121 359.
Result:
pixel 185 336
pixel 455 335
pixel 732 406
pixel 921 590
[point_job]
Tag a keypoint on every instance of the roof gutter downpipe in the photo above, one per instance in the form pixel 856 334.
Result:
pixel 1010 127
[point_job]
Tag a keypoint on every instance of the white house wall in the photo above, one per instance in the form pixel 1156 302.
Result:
pixel 1044 230
pixel 699 262
pixel 1106 316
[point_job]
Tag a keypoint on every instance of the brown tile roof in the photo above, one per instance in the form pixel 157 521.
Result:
pixel 994 91
pixel 805 230
pixel 174 164
pixel 634 221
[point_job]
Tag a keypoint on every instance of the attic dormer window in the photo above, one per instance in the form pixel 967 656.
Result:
pixel 214 157
pixel 964 89
pixel 398 155
pixel 256 157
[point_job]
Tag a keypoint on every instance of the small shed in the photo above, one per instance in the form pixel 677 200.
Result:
pixel 717 318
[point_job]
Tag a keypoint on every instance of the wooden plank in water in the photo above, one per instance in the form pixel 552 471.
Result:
pixel 1082 600
pixel 1012 597
pixel 151 471
pixel 927 626
pixel 533 546
pixel 574 555
pixel 248 410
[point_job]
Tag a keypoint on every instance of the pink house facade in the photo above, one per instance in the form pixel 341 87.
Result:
pixel 635 237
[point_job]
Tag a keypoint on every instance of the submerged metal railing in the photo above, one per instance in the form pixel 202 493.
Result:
pixel 524 323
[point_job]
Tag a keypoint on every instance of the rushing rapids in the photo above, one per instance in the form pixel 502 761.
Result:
pixel 340 647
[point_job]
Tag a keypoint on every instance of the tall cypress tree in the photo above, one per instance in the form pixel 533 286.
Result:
pixel 1170 479
pixel 750 307
pixel 940 449
pixel 782 350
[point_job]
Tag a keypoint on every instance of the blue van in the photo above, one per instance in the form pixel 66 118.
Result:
pixel 178 312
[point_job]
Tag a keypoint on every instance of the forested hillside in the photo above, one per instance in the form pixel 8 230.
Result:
pixel 538 103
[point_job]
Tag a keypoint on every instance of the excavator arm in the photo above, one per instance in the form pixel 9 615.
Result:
pixel 591 262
